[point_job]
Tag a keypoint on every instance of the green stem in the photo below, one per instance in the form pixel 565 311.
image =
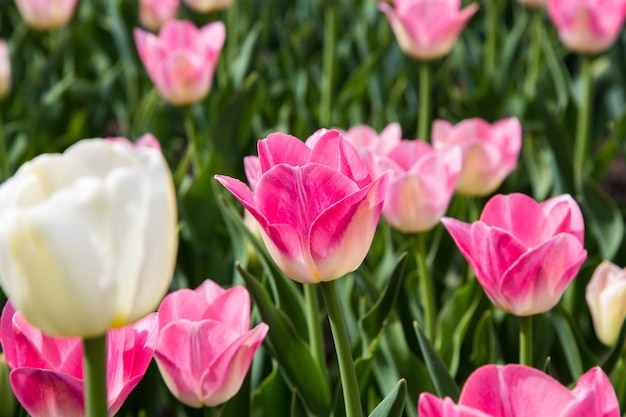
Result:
pixel 209 412
pixel 4 169
pixel 351 395
pixel 313 325
pixel 526 340
pixel 328 65
pixel 427 291
pixel 192 141
pixel 582 127
pixel 94 364
pixel 423 122
pixel 493 21
pixel 534 56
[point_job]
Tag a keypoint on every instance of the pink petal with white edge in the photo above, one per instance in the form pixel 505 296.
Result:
pixel 514 390
pixel 290 253
pixel 182 304
pixel 280 148
pixel 243 194
pixel 231 307
pixel 564 216
pixel 595 396
pixel 431 406
pixel 252 167
pixel 213 36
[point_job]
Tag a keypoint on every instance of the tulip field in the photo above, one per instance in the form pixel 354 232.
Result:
pixel 312 208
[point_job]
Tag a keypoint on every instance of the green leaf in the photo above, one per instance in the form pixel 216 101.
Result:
pixel 484 344
pixel 616 352
pixel 577 359
pixel 272 397
pixel 290 351
pixel 239 405
pixel 444 383
pixel 393 404
pixel 297 408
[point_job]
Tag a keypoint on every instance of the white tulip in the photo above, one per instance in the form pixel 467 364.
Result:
pixel 606 297
pixel 88 238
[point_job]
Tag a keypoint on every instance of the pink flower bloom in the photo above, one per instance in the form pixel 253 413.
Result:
pixel 46 14
pixel 5 69
pixel 316 204
pixel 522 391
pixel 422 186
pixel 427 29
pixel 154 13
pixel 588 26
pixel 205 345
pixel 606 297
pixel 367 142
pixel 181 60
pixel 490 152
pixel 205 6
pixel 523 253
pixel 47 372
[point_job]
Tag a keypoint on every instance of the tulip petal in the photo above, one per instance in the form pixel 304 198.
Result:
pixel 228 306
pixel 280 148
pixel 563 216
pixel 595 396
pixel 243 194
pixel 213 35
pixel 292 256
pixel 182 304
pixel 431 406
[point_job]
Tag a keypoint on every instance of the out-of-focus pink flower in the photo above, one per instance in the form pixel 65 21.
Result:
pixel 154 13
pixel 205 6
pixel 524 253
pixel 533 3
pixel 422 186
pixel 490 152
pixel 181 59
pixel 211 327
pixel 316 204
pixel 46 14
pixel 427 29
pixel 606 297
pixel 366 140
pixel 5 69
pixel 587 26
pixel 47 372
pixel 522 391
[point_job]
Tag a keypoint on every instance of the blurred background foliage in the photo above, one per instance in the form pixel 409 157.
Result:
pixel 298 65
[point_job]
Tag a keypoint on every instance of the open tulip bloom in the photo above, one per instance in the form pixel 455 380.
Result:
pixel 315 203
pixel 524 253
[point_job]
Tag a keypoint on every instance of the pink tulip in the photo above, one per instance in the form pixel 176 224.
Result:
pixel 490 152
pixel 588 26
pixel 606 297
pixel 211 327
pixel 46 14
pixel 154 13
pixel 315 203
pixel 5 69
pixel 205 6
pixel 181 60
pixel 427 29
pixel 47 372
pixel 522 391
pixel 422 186
pixel 524 253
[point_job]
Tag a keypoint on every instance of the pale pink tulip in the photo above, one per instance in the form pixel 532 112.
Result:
pixel 490 152
pixel 5 69
pixel 422 186
pixel 588 26
pixel 315 203
pixel 46 14
pixel 154 13
pixel 427 29
pixel 181 59
pixel 368 142
pixel 211 326
pixel 47 372
pixel 606 297
pixel 205 6
pixel 522 391
pixel 524 253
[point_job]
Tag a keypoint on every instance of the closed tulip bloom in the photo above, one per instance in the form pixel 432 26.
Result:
pixel 427 29
pixel 100 220
pixel 47 372
pixel 181 59
pixel 315 203
pixel 490 152
pixel 606 297
pixel 587 26
pixel 211 327
pixel 154 13
pixel 5 69
pixel 524 253
pixel 522 391
pixel 205 6
pixel 46 14
pixel 422 186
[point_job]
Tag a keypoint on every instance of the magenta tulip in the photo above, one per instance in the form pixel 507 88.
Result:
pixel 422 186
pixel 524 253
pixel 154 13
pixel 315 203
pixel 522 391
pixel 211 327
pixel 427 29
pixel 490 152
pixel 588 26
pixel 46 14
pixel 182 59
pixel 47 372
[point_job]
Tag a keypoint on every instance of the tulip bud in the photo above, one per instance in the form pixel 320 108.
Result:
pixel 46 14
pixel 154 13
pixel 7 400
pixel 5 70
pixel 606 297
pixel 205 6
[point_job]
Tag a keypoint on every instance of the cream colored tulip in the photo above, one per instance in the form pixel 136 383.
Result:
pixel 606 297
